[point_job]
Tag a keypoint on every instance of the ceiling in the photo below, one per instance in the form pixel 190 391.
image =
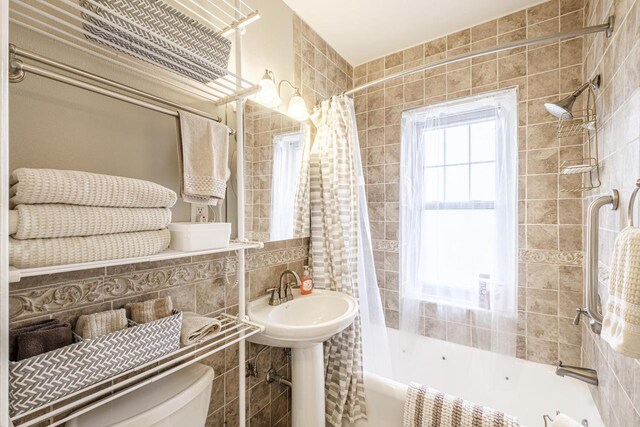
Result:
pixel 362 30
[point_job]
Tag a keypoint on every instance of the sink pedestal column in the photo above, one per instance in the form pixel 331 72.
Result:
pixel 307 394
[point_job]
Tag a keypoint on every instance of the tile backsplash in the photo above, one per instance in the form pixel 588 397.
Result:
pixel 205 284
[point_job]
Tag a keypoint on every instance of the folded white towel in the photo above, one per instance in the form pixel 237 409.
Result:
pixel 203 155
pixel 35 186
pixel 621 324
pixel 73 250
pixel 51 221
pixel 90 326
pixel 196 328
pixel 427 407
pixel 562 420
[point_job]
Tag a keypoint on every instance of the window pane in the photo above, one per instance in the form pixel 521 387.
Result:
pixel 434 140
pixel 483 186
pixel 457 183
pixel 457 144
pixel 434 184
pixel 483 141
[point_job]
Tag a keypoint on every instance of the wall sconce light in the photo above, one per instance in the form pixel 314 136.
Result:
pixel 269 96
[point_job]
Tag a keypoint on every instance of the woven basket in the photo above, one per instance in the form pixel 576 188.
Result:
pixel 42 379
pixel 158 28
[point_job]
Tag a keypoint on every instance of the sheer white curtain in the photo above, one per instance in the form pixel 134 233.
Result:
pixel 287 158
pixel 458 221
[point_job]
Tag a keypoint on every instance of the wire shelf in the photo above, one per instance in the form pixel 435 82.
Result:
pixel 233 331
pixel 156 54
pixel 582 122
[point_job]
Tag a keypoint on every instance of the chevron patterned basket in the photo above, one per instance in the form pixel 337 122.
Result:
pixel 155 32
pixel 42 379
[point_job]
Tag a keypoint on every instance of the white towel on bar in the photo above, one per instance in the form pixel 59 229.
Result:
pixel 51 221
pixel 562 420
pixel 621 324
pixel 36 186
pixel 33 253
pixel 427 407
pixel 203 154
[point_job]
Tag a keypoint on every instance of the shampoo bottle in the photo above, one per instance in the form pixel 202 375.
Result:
pixel 306 283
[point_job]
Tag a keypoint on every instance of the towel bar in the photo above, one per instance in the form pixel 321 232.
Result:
pixel 632 201
pixel 548 421
pixel 591 277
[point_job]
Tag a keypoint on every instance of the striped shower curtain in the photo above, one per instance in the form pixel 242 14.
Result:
pixel 334 249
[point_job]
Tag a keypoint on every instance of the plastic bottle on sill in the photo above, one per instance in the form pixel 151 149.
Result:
pixel 306 282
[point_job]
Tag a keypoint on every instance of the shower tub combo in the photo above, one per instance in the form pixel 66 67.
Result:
pixel 525 389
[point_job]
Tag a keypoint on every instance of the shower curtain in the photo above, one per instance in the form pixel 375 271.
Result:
pixel 342 258
pixel 442 296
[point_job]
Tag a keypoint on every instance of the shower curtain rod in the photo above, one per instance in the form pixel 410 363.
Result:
pixel 608 28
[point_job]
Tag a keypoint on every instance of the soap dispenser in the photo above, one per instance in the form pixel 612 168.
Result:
pixel 306 283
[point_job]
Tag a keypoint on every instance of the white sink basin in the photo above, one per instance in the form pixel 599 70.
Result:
pixel 304 321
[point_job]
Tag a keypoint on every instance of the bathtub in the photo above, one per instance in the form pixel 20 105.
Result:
pixel 525 389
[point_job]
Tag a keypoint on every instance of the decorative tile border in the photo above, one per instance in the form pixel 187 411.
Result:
pixel 385 245
pixel 551 257
pixel 276 257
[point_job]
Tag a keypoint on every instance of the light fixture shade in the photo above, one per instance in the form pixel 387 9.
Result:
pixel 297 108
pixel 268 93
pixel 562 109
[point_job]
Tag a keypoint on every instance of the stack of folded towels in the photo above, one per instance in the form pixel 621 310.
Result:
pixel 68 217
pixel 32 340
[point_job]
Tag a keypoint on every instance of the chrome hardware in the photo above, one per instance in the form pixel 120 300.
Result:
pixel 548 421
pixel 275 299
pixel 285 288
pixel 632 202
pixel 274 377
pixel 591 276
pixel 587 375
pixel 579 312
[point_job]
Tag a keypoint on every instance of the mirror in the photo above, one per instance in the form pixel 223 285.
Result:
pixel 274 147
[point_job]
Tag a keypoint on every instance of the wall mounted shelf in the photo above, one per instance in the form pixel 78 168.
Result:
pixel 15 274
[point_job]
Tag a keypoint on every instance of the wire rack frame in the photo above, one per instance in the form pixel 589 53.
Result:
pixel 64 21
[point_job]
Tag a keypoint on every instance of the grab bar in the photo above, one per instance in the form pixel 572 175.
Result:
pixel 591 276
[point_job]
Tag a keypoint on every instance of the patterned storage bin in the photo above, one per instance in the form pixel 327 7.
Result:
pixel 42 379
pixel 150 29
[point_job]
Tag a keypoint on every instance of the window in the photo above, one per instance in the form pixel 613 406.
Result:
pixel 462 172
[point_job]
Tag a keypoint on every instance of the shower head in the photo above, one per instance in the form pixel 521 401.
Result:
pixel 562 109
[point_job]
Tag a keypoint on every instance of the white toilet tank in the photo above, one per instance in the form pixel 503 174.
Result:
pixel 180 399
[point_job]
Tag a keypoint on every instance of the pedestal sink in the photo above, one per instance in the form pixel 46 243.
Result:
pixel 303 324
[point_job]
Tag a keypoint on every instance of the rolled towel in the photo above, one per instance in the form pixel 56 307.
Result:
pixel 73 250
pixel 427 407
pixel 15 332
pixel 37 186
pixel 562 420
pixel 41 341
pixel 203 156
pixel 53 221
pixel 196 328
pixel 90 326
pixel 148 311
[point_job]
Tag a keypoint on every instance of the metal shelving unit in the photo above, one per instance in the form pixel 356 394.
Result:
pixel 67 24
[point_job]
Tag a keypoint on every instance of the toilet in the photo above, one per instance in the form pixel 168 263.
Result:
pixel 181 398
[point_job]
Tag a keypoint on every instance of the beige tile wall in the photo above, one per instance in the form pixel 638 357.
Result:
pixel 318 69
pixel 618 105
pixel 550 278
pixel 204 284
pixel 261 126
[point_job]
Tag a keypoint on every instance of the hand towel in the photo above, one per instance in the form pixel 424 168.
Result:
pixel 196 328
pixel 91 326
pixel 15 332
pixel 148 311
pixel 203 156
pixel 52 221
pixel 37 186
pixel 43 340
pixel 561 420
pixel 427 407
pixel 73 250
pixel 621 324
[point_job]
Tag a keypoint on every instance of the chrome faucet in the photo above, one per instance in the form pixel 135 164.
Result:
pixel 283 292
pixel 587 375
pixel 285 288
